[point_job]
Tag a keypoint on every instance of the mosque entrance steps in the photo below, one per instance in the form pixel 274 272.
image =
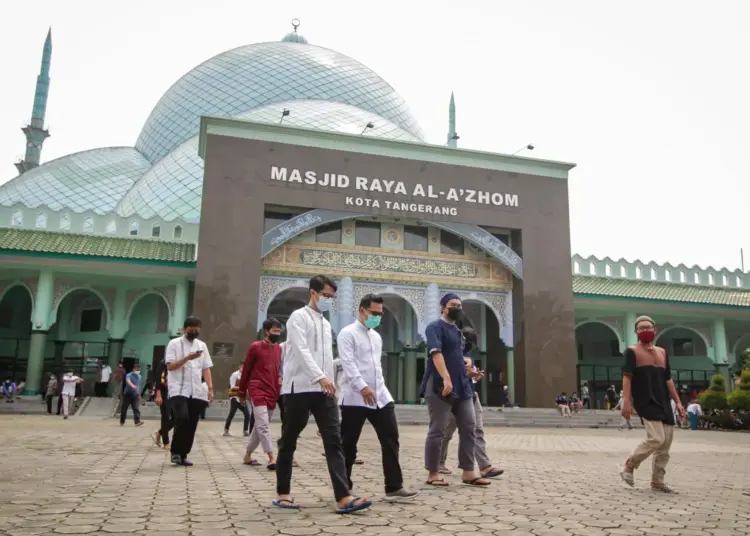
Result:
pixel 417 415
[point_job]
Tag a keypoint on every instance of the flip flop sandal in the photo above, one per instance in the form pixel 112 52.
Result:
pixel 252 462
pixel 157 442
pixel 492 473
pixel 271 466
pixel 627 478
pixel 476 482
pixel 438 483
pixel 286 504
pixel 445 471
pixel 351 507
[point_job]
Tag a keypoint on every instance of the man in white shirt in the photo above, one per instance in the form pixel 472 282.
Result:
pixel 234 382
pixel 307 387
pixel 70 380
pixel 364 396
pixel 188 362
pixel 105 372
pixel 694 412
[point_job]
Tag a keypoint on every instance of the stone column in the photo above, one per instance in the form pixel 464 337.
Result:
pixel 181 307
pixel 720 342
pixel 630 337
pixel 485 386
pixel 510 374
pixel 40 317
pixel 345 306
pixel 115 351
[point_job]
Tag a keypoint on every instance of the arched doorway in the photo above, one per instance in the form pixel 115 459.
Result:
pixel 599 360
pixel 15 331
pixel 490 354
pixel 79 338
pixel 688 359
pixel 148 332
pixel 285 303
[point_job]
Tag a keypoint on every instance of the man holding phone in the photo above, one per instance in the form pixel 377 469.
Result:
pixel 448 390
pixel 188 362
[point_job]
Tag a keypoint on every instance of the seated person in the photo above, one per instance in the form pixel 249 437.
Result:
pixel 9 389
pixel 574 403
pixel 562 405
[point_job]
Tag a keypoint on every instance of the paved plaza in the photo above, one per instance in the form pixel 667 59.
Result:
pixel 90 476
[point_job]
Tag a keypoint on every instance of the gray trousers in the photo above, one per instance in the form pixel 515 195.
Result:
pixel 440 413
pixel 480 451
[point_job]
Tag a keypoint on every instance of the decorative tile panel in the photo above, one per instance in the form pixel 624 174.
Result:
pixel 270 287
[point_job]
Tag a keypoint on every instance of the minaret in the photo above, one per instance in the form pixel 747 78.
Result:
pixel 452 136
pixel 35 131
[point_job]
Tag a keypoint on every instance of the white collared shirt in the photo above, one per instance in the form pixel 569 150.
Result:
pixel 186 380
pixel 106 373
pixel 308 352
pixel 234 381
pixel 69 384
pixel 360 351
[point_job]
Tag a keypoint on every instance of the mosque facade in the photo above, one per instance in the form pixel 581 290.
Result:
pixel 273 162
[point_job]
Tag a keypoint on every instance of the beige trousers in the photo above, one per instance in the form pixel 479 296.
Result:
pixel 261 434
pixel 67 404
pixel 658 441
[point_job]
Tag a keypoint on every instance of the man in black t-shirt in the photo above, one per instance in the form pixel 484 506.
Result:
pixel 647 380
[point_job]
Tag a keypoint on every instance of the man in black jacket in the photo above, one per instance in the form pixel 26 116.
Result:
pixel 161 436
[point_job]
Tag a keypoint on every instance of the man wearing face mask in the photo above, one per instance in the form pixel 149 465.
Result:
pixel 647 378
pixel 260 377
pixel 448 390
pixel 364 396
pixel 307 387
pixel 188 364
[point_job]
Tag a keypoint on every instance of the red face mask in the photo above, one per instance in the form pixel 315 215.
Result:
pixel 646 337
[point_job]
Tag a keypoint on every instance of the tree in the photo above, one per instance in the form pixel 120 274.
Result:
pixel 715 397
pixel 743 362
pixel 739 399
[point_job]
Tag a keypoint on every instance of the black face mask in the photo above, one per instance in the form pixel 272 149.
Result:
pixel 468 346
pixel 191 335
pixel 273 338
pixel 455 313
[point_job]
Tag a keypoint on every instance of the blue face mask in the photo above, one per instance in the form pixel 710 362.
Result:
pixel 324 304
pixel 372 321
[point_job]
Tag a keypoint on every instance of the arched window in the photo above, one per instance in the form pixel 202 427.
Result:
pixel 111 227
pixel 155 230
pixel 41 221
pixel 134 228
pixel 88 224
pixel 16 219
pixel 65 222
pixel 177 232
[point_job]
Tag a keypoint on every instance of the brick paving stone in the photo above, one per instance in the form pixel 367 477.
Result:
pixel 91 476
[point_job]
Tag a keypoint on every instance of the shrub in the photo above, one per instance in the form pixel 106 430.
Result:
pixel 715 397
pixel 739 399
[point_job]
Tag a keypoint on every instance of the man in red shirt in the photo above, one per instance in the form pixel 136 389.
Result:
pixel 261 377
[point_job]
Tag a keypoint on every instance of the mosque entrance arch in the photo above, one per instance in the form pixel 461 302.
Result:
pixel 285 231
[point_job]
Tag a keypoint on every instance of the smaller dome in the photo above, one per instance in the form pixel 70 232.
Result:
pixel 294 37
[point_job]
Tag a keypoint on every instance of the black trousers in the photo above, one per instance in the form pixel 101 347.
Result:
pixel 59 404
pixel 235 405
pixel 384 422
pixel 130 400
pixel 297 410
pixel 167 423
pixel 48 399
pixel 185 412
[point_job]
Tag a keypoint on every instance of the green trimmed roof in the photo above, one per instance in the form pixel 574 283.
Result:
pixel 652 290
pixel 36 241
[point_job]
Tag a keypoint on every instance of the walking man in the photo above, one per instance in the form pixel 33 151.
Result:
pixel 188 362
pixel 69 381
pixel 236 403
pixel 132 396
pixel 364 396
pixel 647 379
pixel 486 468
pixel 262 380
pixel 308 388
pixel 448 390
pixel 161 397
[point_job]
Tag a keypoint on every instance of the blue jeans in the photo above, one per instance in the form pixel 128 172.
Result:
pixel 693 421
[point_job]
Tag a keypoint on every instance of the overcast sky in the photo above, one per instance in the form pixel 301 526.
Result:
pixel 649 98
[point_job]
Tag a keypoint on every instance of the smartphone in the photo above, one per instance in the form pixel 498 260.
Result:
pixel 199 352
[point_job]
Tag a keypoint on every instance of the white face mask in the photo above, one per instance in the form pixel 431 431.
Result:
pixel 324 304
